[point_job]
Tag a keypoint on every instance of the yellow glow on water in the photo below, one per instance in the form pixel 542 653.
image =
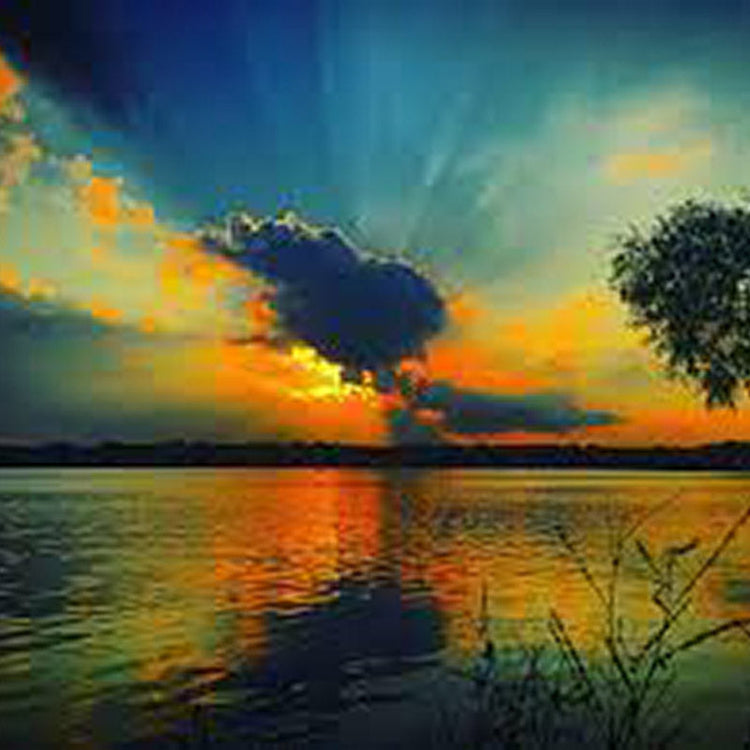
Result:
pixel 503 539
pixel 279 549
pixel 253 563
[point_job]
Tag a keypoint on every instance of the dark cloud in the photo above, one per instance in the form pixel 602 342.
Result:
pixel 361 312
pixel 42 322
pixel 369 314
pixel 469 412
pixel 76 45
pixel 53 364
pixel 405 428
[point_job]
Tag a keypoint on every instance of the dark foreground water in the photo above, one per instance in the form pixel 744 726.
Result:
pixel 330 608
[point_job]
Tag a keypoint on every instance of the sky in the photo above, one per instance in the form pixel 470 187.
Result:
pixel 370 222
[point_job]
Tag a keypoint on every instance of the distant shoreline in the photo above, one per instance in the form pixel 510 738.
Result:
pixel 727 456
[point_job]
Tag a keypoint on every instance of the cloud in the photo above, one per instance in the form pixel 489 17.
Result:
pixel 81 238
pixel 68 375
pixel 562 192
pixel 469 412
pixel 627 167
pixel 406 428
pixel 358 311
pixel 82 57
pixel 10 82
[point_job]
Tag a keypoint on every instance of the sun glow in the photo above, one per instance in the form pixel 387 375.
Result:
pixel 330 383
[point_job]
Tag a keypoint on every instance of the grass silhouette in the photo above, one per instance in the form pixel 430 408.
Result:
pixel 617 695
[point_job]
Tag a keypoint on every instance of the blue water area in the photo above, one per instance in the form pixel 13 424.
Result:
pixel 338 608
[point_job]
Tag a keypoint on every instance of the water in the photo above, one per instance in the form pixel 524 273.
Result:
pixel 330 608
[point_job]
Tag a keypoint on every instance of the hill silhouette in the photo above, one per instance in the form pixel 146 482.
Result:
pixel 732 455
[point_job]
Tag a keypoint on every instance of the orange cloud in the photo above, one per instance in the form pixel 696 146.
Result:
pixel 184 266
pixel 629 167
pixel 468 364
pixel 39 289
pixel 464 309
pixel 188 286
pixel 105 313
pixel 531 350
pixel 100 197
pixel 10 279
pixel 275 392
pixel 10 81
pixel 139 215
pixel 473 354
pixel 570 337
pixel 20 151
pixel 261 314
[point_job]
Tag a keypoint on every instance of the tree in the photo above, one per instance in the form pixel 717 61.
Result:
pixel 687 283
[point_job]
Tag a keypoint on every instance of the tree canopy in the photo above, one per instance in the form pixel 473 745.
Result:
pixel 687 283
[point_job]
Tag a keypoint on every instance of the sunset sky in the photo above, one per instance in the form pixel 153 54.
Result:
pixel 473 162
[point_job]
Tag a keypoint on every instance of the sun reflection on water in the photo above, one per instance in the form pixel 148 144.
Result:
pixel 148 595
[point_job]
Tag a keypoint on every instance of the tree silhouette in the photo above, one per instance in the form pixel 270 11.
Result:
pixel 687 283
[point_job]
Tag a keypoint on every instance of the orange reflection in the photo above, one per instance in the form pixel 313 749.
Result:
pixel 510 547
pixel 233 546
pixel 285 546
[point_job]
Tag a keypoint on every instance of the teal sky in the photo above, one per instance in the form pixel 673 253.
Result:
pixel 498 147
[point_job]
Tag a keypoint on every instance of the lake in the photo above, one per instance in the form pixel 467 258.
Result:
pixel 339 608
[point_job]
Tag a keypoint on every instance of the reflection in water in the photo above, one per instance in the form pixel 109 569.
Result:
pixel 264 606
pixel 470 530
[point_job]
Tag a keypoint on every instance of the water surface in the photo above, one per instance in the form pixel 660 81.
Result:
pixel 327 607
